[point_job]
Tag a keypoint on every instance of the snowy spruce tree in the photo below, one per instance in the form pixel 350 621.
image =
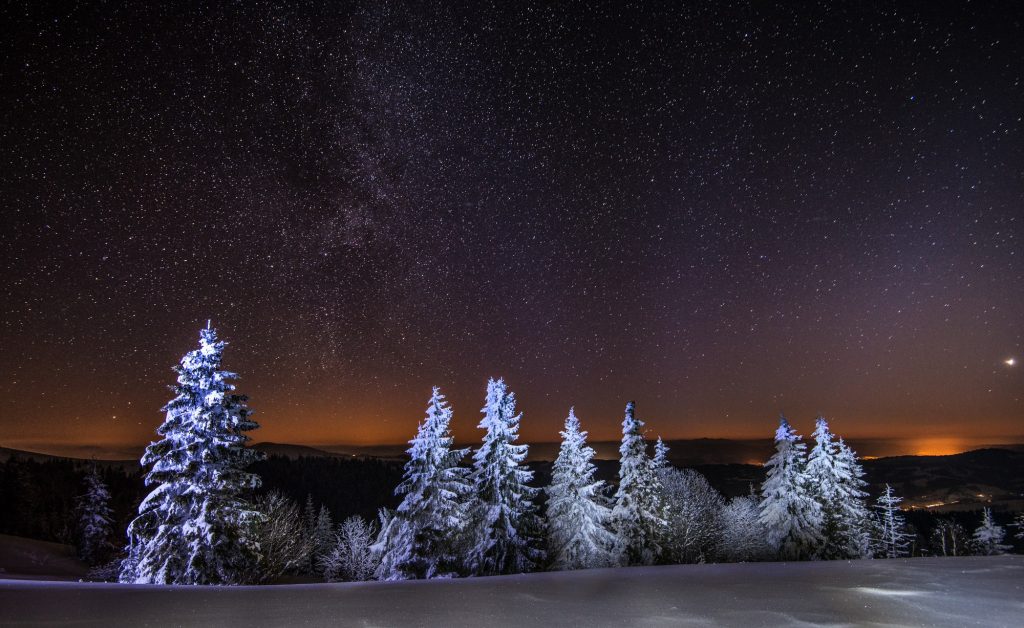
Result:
pixel 420 538
pixel 577 509
pixel 505 526
pixel 321 541
pixel 309 516
pixel 196 526
pixel 988 537
pixel 95 519
pixel 789 512
pixel 892 539
pixel 660 455
pixel 835 482
pixel 638 516
pixel 854 511
pixel 309 520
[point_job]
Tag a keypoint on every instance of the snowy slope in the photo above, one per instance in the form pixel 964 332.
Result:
pixel 977 591
pixel 29 558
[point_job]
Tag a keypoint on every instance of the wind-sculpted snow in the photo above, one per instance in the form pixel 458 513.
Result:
pixel 903 592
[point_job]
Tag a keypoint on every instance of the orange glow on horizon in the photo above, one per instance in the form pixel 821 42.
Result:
pixel 938 446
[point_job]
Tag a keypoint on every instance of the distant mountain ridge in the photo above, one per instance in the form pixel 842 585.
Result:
pixel 682 452
pixel 966 481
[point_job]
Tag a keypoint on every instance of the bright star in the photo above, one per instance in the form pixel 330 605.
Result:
pixel 1010 361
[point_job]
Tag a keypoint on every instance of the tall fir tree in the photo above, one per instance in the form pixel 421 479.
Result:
pixel 988 537
pixel 578 514
pixel 309 520
pixel 855 514
pixel 661 454
pixel 392 549
pixel 835 482
pixel 196 526
pixel 95 519
pixel 322 539
pixel 506 527
pixel 892 539
pixel 789 512
pixel 420 540
pixel 638 516
pixel 309 515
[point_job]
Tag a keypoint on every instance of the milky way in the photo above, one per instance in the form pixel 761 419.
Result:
pixel 721 210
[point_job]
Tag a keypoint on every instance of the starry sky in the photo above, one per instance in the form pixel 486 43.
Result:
pixel 719 209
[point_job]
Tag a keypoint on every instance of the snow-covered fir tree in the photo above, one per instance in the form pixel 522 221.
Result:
pixel 322 539
pixel 196 526
pixel 392 547
pixel 95 519
pixel 309 525
pixel 660 454
pixel 892 539
pixel 421 537
pixel 988 537
pixel 505 527
pixel 854 510
pixel 638 516
pixel 789 512
pixel 309 516
pixel 319 531
pixel 822 474
pixel 577 509
pixel 743 535
pixel 351 558
pixel 835 482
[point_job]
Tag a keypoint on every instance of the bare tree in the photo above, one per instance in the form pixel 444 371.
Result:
pixel 351 558
pixel 693 510
pixel 949 538
pixel 284 546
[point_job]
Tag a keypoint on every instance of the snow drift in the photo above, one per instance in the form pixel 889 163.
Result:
pixel 921 591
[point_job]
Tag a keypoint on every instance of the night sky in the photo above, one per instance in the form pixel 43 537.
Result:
pixel 721 211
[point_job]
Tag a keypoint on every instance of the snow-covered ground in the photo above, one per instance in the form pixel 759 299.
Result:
pixel 977 591
pixel 29 558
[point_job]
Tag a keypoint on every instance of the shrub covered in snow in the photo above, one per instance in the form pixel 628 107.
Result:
pixel 743 535
pixel 351 559
pixel 988 537
pixel 693 511
pixel 284 544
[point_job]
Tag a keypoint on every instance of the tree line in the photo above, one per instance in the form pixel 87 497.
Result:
pixel 201 524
